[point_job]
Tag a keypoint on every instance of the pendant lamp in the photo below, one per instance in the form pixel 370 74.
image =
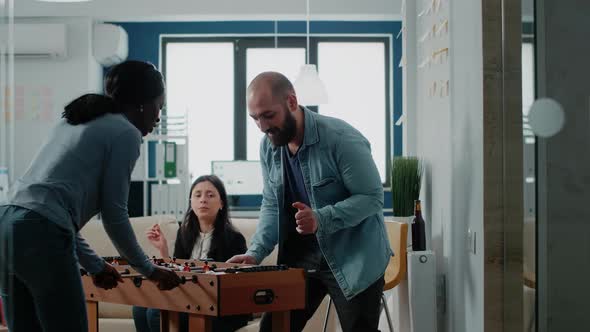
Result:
pixel 309 88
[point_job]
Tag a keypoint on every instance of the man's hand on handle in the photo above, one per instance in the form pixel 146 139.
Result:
pixel 242 259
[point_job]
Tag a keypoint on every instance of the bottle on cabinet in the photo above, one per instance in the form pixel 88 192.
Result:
pixel 418 228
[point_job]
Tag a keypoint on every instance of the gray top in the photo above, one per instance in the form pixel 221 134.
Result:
pixel 83 170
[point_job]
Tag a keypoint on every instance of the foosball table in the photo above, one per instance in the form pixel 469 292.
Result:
pixel 207 289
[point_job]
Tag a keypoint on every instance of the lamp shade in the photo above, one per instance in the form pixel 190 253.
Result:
pixel 309 88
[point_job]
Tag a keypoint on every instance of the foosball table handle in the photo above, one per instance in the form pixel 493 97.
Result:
pixel 264 296
pixel 137 281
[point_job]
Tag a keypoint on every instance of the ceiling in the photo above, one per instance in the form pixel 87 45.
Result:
pixel 131 10
pixel 173 10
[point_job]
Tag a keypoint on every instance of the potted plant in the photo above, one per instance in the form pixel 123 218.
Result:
pixel 406 179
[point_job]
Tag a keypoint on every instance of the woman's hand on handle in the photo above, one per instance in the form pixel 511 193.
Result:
pixel 108 278
pixel 166 279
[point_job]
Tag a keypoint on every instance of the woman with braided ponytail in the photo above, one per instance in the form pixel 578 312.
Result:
pixel 83 168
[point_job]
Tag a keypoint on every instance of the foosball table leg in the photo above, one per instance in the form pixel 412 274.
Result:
pixel 199 323
pixel 281 321
pixel 92 314
pixel 169 321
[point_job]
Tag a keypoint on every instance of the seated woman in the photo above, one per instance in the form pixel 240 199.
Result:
pixel 206 232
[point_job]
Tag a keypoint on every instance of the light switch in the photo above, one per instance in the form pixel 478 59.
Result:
pixel 471 241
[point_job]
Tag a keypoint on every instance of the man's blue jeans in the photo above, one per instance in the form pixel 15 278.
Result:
pixel 40 280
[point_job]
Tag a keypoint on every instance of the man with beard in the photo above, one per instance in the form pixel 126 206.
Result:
pixel 322 205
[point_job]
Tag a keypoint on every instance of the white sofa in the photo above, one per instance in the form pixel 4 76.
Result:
pixel 118 318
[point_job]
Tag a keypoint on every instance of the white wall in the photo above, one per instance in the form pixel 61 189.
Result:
pixel 466 283
pixel 449 136
pixel 47 85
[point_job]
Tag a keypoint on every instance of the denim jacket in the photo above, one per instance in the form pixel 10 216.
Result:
pixel 346 196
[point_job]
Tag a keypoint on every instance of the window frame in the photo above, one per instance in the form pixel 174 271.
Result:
pixel 243 42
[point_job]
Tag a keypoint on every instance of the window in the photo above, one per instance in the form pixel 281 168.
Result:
pixel 207 77
pixel 284 60
pixel 355 76
pixel 200 79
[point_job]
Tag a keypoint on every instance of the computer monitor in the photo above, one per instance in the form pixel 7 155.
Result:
pixel 240 177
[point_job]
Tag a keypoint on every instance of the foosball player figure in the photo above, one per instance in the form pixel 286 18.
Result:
pixel 115 262
pixel 186 268
pixel 206 267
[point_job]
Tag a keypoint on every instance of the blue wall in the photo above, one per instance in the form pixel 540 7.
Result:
pixel 144 44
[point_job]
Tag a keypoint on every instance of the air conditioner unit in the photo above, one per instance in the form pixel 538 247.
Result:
pixel 109 44
pixel 38 40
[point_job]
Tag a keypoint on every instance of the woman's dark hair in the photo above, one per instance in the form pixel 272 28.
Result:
pixel 128 83
pixel 190 225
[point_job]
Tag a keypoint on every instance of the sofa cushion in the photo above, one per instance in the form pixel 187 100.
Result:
pixel 247 226
pixel 98 239
pixel 116 325
pixel 114 310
